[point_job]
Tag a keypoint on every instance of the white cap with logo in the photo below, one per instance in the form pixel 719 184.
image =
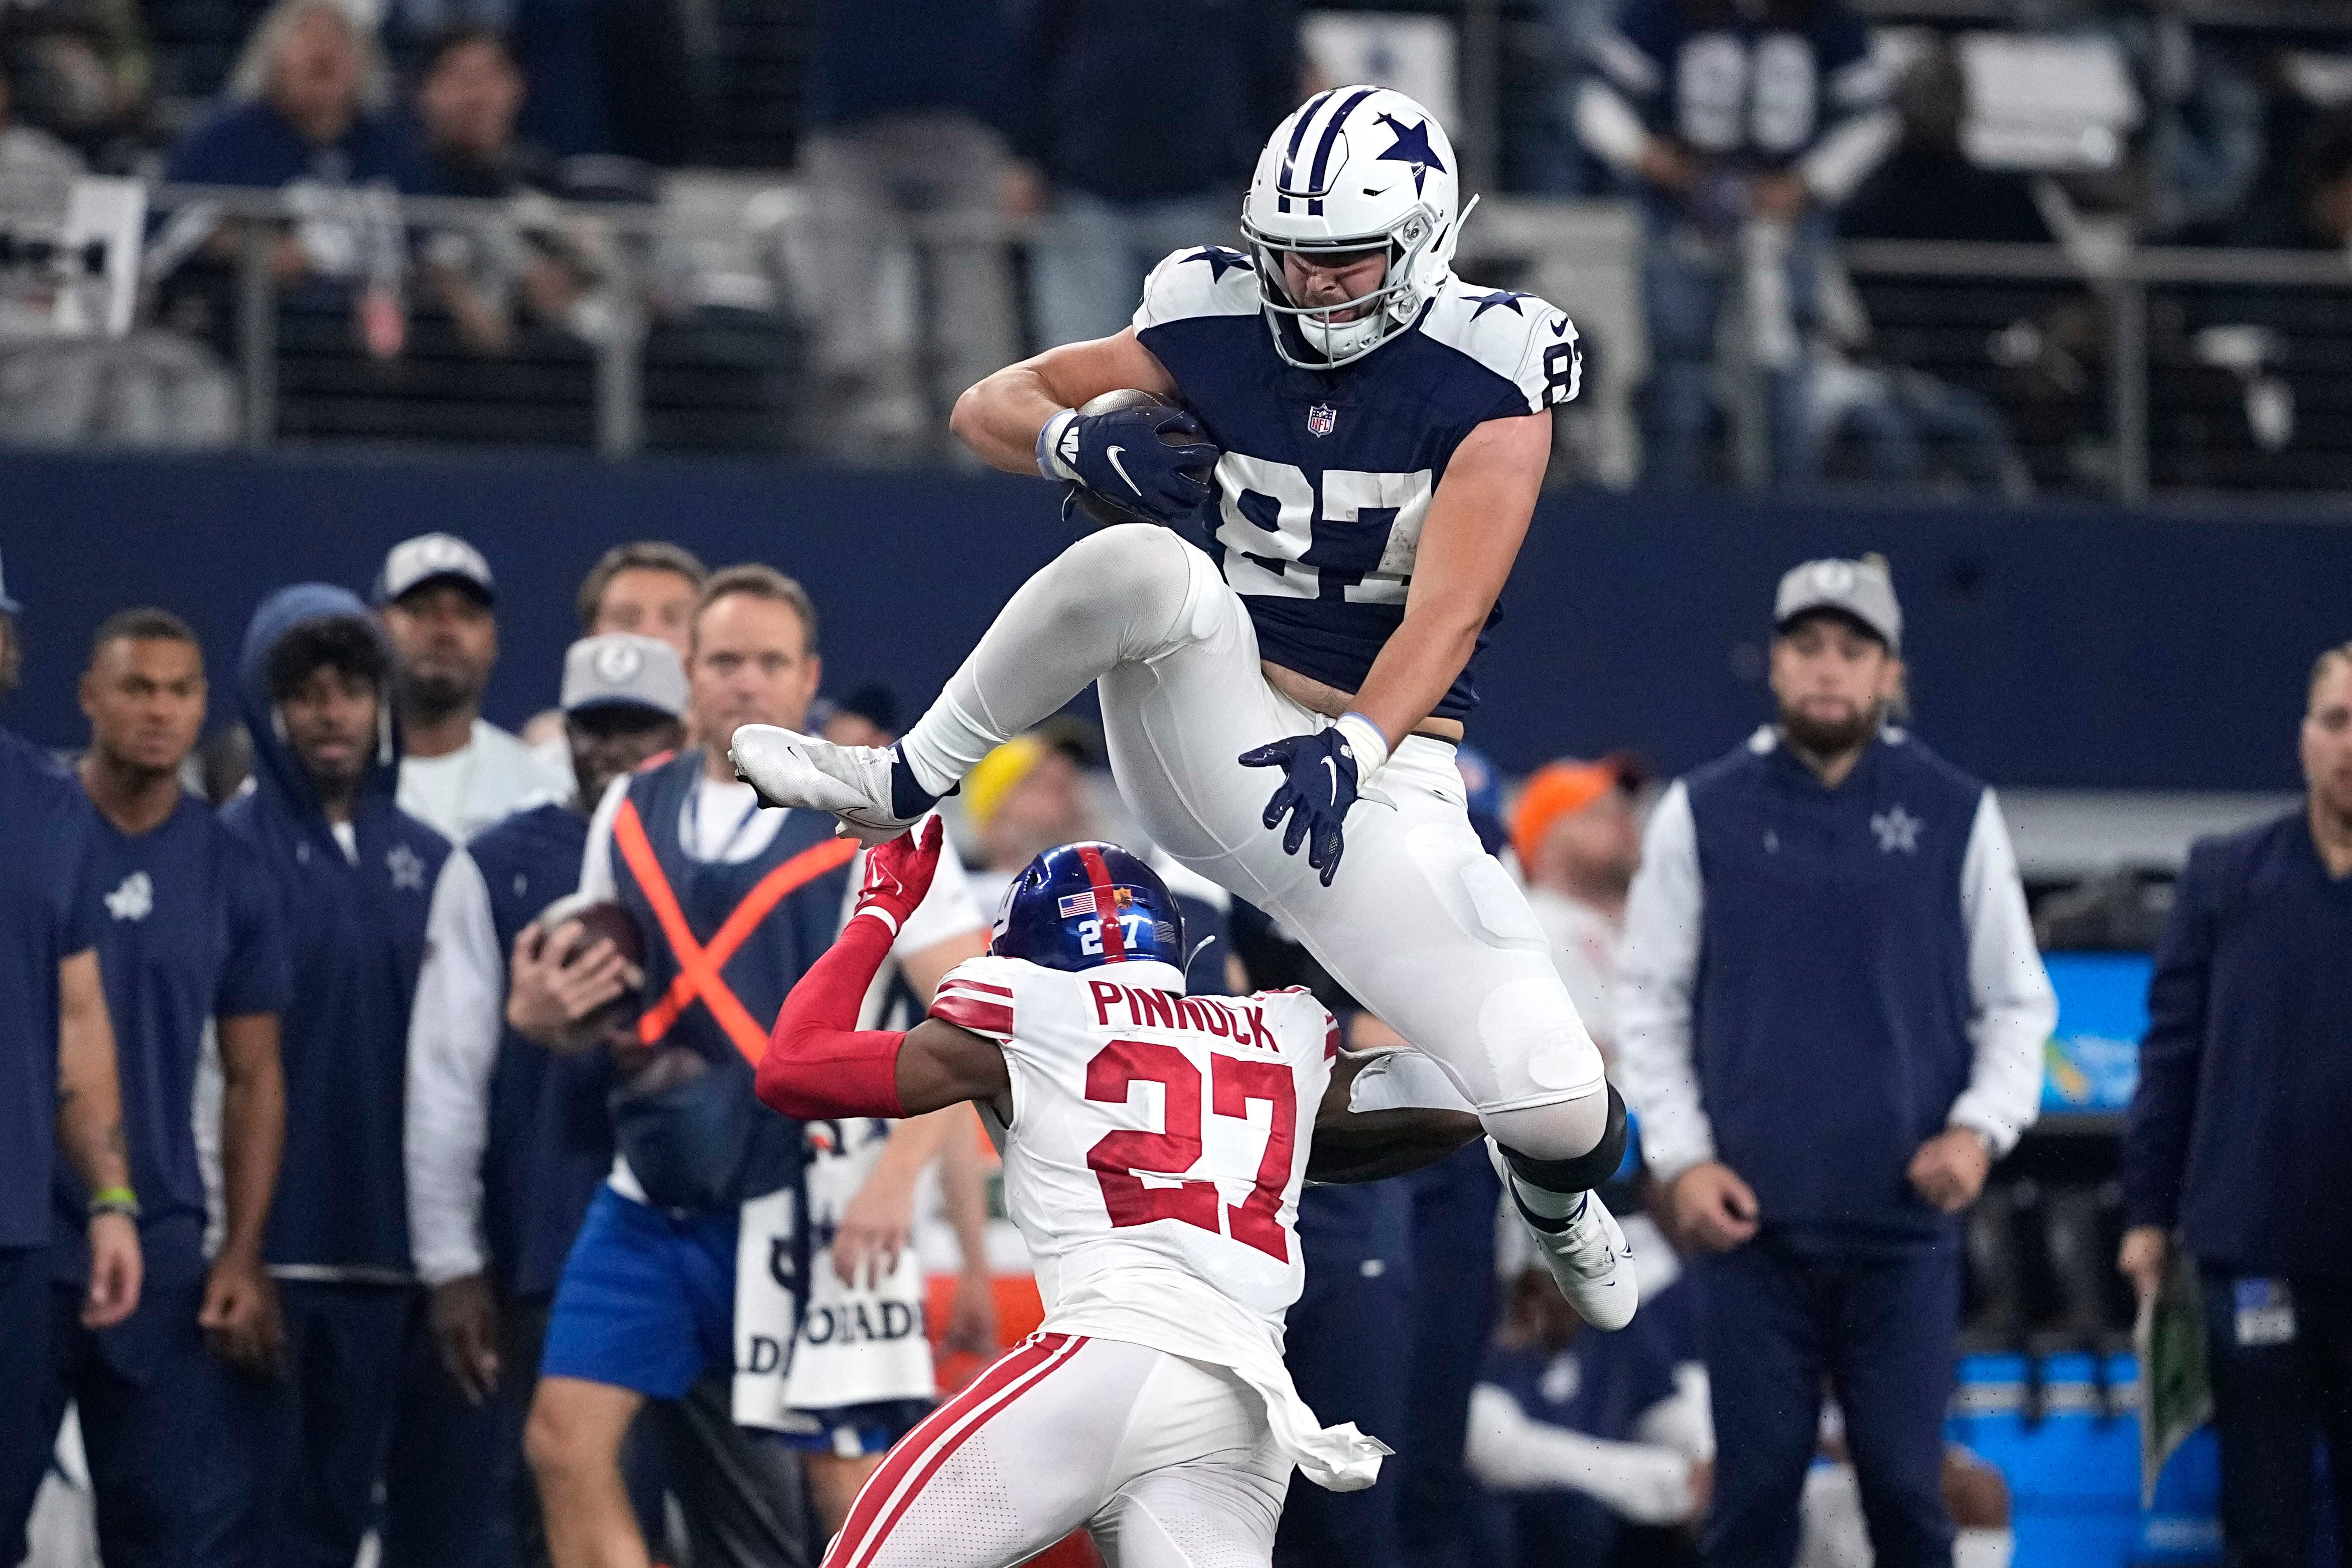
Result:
pixel 429 558
pixel 621 669
pixel 1861 589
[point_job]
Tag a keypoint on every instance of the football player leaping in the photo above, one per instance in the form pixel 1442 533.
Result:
pixel 1376 432
pixel 1154 1144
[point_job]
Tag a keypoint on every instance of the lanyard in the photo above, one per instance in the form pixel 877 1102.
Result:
pixel 694 825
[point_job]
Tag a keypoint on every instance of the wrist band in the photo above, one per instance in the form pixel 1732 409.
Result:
pixel 1049 436
pixel 1364 738
pixel 119 1200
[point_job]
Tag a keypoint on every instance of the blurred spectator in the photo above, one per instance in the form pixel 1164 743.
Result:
pixel 506 1142
pixel 1023 798
pixel 306 113
pixel 147 388
pixel 901 99
pixel 1136 128
pixel 1892 424
pixel 1589 1435
pixel 192 954
pixel 2201 147
pixel 1930 188
pixel 2317 214
pixel 468 94
pixel 28 154
pixel 866 716
pixel 1831 1022
pixel 1744 127
pixel 60 1097
pixel 82 70
pixel 2237 1128
pixel 352 874
pixel 460 773
pixel 225 763
pixel 608 77
pixel 647 587
pixel 1579 840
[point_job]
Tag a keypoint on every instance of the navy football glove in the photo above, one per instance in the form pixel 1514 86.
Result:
pixel 1319 785
pixel 1126 457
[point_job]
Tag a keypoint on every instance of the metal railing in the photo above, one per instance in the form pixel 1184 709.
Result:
pixel 1583 254
pixel 618 353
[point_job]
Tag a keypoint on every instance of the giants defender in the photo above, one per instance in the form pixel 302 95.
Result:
pixel 1153 1153
pixel 1377 431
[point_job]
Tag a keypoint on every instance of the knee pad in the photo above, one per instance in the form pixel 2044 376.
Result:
pixel 1585 1171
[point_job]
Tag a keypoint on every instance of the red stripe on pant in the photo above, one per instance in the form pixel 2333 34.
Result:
pixel 934 1440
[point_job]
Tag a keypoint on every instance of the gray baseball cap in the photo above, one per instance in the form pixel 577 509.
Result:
pixel 427 558
pixel 1861 589
pixel 621 669
pixel 7 605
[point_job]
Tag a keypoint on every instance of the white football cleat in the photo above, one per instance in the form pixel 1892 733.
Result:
pixel 1589 1261
pixel 850 782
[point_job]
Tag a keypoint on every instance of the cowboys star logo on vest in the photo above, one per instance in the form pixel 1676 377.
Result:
pixel 407 871
pixel 1322 419
pixel 134 900
pixel 1898 830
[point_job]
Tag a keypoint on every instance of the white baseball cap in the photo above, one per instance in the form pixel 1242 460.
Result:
pixel 427 558
pixel 621 669
pixel 1860 589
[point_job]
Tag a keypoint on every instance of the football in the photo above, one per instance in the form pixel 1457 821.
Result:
pixel 1090 509
pixel 606 920
pixel 602 918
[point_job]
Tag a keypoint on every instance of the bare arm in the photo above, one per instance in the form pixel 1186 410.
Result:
pixel 89 1130
pixel 1358 1146
pixel 89 1100
pixel 1469 542
pixel 239 1314
pixel 253 1127
pixel 998 417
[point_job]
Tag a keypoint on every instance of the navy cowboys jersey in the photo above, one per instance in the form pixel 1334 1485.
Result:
pixel 1327 474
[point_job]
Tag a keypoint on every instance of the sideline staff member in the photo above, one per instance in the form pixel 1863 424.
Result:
pixel 1830 1020
pixel 2237 1136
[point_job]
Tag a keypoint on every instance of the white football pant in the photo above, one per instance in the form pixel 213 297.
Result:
pixel 1421 925
pixel 1167 1462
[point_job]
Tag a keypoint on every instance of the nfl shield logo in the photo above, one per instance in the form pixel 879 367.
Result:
pixel 1321 418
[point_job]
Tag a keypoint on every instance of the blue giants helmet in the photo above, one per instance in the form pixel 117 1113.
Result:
pixel 1054 912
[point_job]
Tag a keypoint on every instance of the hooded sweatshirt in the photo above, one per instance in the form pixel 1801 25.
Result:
pixel 356 925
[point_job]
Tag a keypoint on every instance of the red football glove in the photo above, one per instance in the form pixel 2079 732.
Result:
pixel 898 873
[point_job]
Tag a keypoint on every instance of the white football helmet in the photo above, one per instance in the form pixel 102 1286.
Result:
pixel 1355 169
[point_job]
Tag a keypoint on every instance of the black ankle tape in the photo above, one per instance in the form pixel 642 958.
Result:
pixel 1586 1171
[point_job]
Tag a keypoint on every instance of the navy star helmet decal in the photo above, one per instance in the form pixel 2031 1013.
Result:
pixel 1411 146
pixel 1219 258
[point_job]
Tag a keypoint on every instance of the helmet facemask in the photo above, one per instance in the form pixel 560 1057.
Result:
pixel 1329 334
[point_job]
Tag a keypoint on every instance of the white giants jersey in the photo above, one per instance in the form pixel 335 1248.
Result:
pixel 1158 1141
pixel 1153 1160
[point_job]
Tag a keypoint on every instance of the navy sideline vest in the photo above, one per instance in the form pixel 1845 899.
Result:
pixel 762 971
pixel 1831 1010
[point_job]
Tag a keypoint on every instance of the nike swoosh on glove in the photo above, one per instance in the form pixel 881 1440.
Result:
pixel 1122 455
pixel 1319 785
pixel 898 873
